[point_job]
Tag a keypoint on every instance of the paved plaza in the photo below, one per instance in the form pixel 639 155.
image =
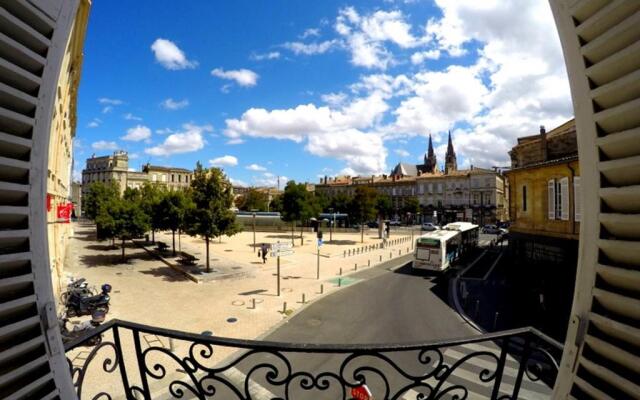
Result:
pixel 148 291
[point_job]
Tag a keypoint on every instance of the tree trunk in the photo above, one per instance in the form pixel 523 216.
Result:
pixel 301 237
pixel 361 233
pixel 123 259
pixel 173 234
pixel 153 236
pixel 293 227
pixel 206 240
pixel 380 226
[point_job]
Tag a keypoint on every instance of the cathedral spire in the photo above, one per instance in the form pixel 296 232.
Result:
pixel 450 162
pixel 429 165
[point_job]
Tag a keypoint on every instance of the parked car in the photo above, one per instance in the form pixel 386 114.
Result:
pixel 428 226
pixel 493 229
pixel 372 224
pixel 395 223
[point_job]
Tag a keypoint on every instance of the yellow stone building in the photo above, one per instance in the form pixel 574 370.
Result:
pixel 544 207
pixel 63 128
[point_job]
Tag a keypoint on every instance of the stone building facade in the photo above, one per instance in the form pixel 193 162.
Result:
pixel 544 185
pixel 63 129
pixel 115 168
pixel 475 194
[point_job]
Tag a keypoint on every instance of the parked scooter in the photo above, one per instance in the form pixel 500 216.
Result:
pixel 78 304
pixel 77 330
pixel 78 286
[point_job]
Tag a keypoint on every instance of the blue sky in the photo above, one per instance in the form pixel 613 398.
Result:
pixel 305 89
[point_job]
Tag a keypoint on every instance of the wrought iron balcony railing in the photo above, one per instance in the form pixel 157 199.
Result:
pixel 125 360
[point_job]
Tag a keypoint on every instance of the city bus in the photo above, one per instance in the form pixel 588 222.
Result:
pixel 435 251
pixel 469 235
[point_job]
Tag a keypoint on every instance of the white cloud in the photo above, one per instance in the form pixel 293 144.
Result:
pixel 104 145
pixel 402 152
pixel 255 167
pixel 334 99
pixel 137 133
pixel 272 55
pixel 310 49
pixel 420 56
pixel 133 156
pixel 170 56
pixel 77 175
pixel 236 140
pixel 366 36
pixel 242 77
pixel 269 180
pixel 164 131
pixel 107 109
pixel 224 161
pixel 108 101
pixel 131 117
pixel 238 182
pixel 171 104
pixel 188 140
pixel 94 123
pixel 310 32
pixel 336 133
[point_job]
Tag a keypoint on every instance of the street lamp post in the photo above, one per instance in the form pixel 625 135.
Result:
pixel 254 230
pixel 331 222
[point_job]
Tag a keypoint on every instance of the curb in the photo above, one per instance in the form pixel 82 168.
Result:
pixel 454 301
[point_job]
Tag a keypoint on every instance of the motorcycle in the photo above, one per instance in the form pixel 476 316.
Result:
pixel 79 286
pixel 77 330
pixel 78 304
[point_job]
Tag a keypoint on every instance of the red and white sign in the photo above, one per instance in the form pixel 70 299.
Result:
pixel 361 392
pixel 64 212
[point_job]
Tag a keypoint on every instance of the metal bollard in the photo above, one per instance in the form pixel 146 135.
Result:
pixel 339 282
pixel 340 270
pixel 303 298
pixel 368 263
pixel 381 258
pixel 390 255
pixel 355 267
pixel 253 303
pixel 345 254
pixel 321 288
pixel 284 307
pixel 399 251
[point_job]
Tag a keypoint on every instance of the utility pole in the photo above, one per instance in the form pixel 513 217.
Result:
pixel 254 230
pixel 278 273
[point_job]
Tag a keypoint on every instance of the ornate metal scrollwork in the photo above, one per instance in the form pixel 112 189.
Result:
pixel 421 371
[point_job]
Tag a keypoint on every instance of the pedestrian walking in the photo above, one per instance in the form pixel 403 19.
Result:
pixel 264 250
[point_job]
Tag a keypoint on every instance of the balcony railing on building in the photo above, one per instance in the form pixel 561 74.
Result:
pixel 124 360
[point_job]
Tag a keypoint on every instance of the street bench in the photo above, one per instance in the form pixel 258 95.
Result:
pixel 162 246
pixel 187 259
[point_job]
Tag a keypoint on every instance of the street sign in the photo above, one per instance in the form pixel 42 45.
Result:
pixel 361 392
pixel 319 242
pixel 281 249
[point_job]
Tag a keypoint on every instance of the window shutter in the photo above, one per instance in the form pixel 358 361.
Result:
pixel 551 199
pixel 577 206
pixel 564 194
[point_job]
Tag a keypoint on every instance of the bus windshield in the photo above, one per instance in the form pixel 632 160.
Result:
pixel 424 242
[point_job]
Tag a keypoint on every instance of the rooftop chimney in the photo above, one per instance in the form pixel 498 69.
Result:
pixel 542 130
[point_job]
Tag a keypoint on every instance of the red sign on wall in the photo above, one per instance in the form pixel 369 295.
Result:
pixel 49 202
pixel 361 392
pixel 64 212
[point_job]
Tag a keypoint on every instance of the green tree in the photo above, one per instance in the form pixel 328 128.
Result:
pixel 171 211
pixel 297 205
pixel 363 207
pixel 211 215
pixel 276 204
pixel 253 199
pixel 150 196
pixel 341 202
pixel 411 206
pixel 97 195
pixel 122 219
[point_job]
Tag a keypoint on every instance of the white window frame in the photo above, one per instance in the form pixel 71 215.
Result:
pixel 551 199
pixel 577 202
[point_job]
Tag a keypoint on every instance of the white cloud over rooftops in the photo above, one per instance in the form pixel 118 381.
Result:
pixel 224 161
pixel 243 77
pixel 188 140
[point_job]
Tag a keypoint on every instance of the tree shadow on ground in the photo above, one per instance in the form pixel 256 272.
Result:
pixel 102 247
pixel 440 280
pixel 297 236
pixel 166 273
pixel 115 259
pixel 342 242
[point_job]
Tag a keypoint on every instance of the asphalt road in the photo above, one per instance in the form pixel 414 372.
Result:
pixel 400 306
pixel 384 307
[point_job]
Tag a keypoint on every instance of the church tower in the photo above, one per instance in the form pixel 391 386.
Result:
pixel 450 162
pixel 429 159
